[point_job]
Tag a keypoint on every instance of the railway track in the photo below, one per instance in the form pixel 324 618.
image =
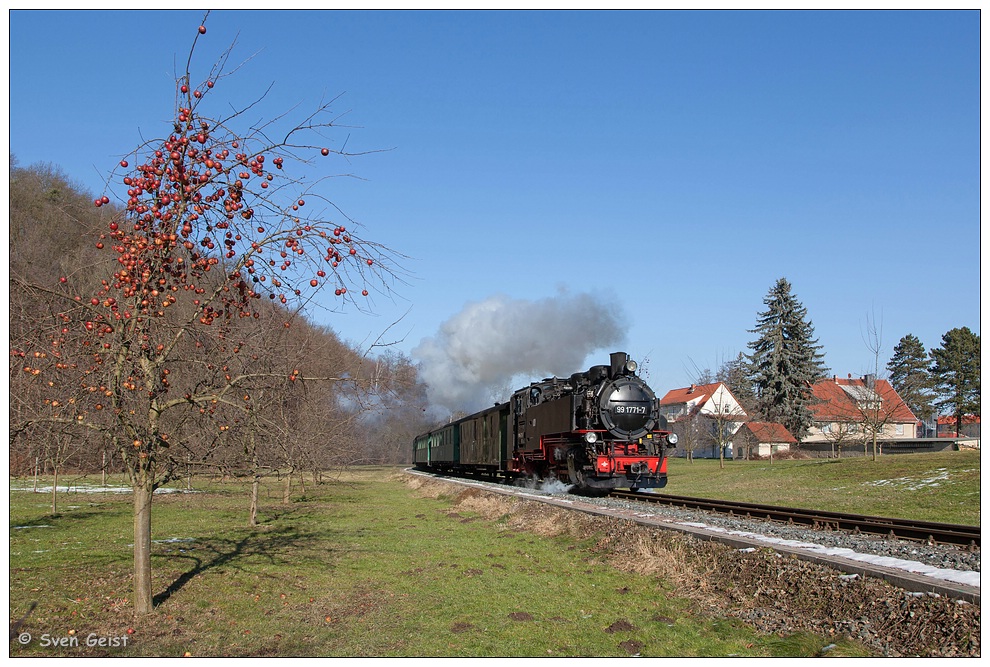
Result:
pixel 923 531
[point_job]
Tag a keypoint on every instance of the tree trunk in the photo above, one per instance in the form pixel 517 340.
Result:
pixel 253 518
pixel 143 485
pixel 55 491
pixel 255 471
pixel 288 488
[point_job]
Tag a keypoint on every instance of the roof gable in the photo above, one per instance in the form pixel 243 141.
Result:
pixel 695 392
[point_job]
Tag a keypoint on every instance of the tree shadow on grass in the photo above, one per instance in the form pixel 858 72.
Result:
pixel 66 516
pixel 275 546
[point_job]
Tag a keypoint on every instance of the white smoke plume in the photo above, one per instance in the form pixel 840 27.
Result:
pixel 472 361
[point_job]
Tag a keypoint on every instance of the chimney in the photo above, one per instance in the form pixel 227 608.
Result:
pixel 618 361
pixel 691 389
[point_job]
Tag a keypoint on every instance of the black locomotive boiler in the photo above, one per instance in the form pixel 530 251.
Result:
pixel 597 430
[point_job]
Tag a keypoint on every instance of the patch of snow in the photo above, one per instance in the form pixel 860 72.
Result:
pixel 93 489
pixel 958 576
pixel 938 476
pixel 171 540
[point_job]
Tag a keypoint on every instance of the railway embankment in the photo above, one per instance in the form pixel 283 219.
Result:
pixel 775 578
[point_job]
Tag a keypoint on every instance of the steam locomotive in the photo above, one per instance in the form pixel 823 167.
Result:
pixel 597 430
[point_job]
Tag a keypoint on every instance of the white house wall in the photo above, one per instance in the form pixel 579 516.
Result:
pixel 722 402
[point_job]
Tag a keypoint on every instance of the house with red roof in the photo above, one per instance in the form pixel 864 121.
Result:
pixel 762 439
pixel 705 417
pixel 970 426
pixel 850 410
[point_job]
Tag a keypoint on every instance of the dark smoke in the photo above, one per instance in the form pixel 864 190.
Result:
pixel 500 344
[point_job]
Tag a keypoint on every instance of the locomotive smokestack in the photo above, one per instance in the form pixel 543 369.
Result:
pixel 618 360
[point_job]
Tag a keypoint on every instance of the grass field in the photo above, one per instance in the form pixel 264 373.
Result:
pixel 943 486
pixel 368 566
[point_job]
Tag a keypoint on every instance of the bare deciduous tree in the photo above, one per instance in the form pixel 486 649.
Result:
pixel 218 215
pixel 875 414
pixel 839 433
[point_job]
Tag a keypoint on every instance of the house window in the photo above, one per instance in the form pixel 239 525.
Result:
pixel 899 430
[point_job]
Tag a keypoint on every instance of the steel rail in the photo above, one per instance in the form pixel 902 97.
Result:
pixel 923 531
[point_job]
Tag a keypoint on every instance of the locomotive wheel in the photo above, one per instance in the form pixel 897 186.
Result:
pixel 575 468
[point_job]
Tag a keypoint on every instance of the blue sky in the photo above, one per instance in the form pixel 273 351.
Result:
pixel 673 165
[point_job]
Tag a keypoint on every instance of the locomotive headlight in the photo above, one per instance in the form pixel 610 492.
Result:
pixel 631 366
pixel 672 439
pixel 591 438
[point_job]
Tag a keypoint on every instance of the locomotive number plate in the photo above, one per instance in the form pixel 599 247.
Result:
pixel 630 409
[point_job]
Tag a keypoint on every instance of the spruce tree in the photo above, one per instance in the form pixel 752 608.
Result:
pixel 785 361
pixel 956 374
pixel 910 377
pixel 735 375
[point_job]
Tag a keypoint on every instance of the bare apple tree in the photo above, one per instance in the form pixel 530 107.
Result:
pixel 219 215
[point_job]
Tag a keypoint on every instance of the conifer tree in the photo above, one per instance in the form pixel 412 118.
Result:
pixel 956 374
pixel 910 378
pixel 785 361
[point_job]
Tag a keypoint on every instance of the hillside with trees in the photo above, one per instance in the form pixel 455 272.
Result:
pixel 342 407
